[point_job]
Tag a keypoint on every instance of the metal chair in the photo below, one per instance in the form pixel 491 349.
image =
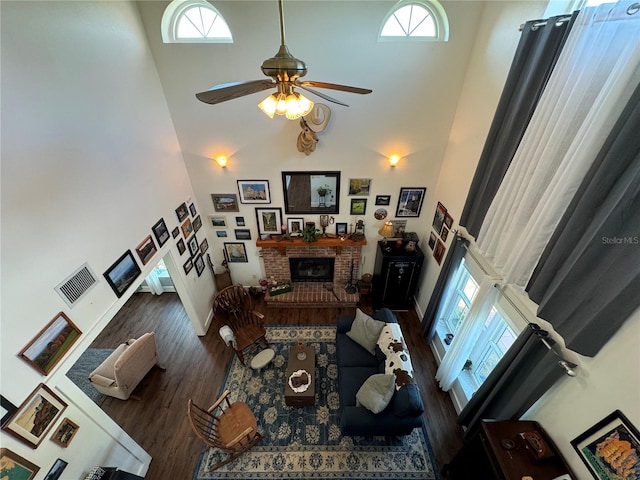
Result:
pixel 246 323
pixel 230 427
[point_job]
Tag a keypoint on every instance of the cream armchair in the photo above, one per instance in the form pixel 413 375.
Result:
pixel 123 370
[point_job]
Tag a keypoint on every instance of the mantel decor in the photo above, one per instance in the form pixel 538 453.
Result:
pixel 311 192
pixel 332 242
pixel 50 344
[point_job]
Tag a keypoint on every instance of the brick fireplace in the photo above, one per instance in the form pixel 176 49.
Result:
pixel 276 264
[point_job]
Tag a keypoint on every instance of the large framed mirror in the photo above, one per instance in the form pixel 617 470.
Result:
pixel 311 192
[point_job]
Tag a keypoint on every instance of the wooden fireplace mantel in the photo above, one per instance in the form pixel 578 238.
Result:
pixel 333 242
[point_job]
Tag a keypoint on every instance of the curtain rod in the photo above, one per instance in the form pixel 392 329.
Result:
pixel 542 23
pixel 541 333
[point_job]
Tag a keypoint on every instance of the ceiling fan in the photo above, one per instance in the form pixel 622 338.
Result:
pixel 285 71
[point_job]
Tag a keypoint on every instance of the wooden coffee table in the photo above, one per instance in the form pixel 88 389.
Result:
pixel 308 397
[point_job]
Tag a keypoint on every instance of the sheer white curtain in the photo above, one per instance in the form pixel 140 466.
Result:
pixel 467 333
pixel 596 73
pixel 153 281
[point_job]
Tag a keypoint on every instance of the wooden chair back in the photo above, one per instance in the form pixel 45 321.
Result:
pixel 231 427
pixel 235 301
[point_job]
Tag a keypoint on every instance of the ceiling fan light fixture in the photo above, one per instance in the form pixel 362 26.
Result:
pixel 281 104
pixel 268 106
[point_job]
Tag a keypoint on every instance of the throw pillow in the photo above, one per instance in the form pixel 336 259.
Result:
pixel 376 392
pixel 365 331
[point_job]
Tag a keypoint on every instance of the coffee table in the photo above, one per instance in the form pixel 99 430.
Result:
pixel 308 397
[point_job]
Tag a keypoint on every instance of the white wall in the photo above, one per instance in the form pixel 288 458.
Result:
pixel 608 382
pixel 90 162
pixel 415 85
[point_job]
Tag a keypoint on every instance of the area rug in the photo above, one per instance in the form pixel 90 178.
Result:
pixel 307 442
pixel 87 363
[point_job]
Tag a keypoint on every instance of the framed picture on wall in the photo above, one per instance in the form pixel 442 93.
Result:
pixel 15 466
pixel 56 470
pixel 269 220
pixel 35 417
pixel 199 264
pixel 194 246
pixel 254 191
pixel 192 209
pixel 146 249
pixel 358 206
pixel 182 212
pixel 187 228
pixel 218 221
pixel 188 266
pixel 65 433
pixel 610 448
pixel 439 217
pixel 52 342
pixel 295 225
pixel 235 252
pixel 243 234
pixel 225 202
pixel 181 246
pixel 160 231
pixel 122 273
pixel 410 201
pixel 197 224
pixel 204 246
pixel 383 199
pixel 359 186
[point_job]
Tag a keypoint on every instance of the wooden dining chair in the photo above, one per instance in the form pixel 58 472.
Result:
pixel 247 324
pixel 230 427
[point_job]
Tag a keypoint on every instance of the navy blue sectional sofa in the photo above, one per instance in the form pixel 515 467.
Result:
pixel 355 365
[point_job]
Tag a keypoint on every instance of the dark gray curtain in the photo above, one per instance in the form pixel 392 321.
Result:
pixel 533 62
pixel 449 267
pixel 587 281
pixel 525 372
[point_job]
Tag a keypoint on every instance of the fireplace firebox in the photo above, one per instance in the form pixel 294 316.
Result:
pixel 317 269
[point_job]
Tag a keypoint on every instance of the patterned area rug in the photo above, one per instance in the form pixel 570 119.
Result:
pixel 307 442
pixel 87 363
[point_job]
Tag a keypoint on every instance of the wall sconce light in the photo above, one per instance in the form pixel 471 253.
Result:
pixel 393 160
pixel 222 161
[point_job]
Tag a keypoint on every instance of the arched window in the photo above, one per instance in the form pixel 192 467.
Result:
pixel 411 20
pixel 195 21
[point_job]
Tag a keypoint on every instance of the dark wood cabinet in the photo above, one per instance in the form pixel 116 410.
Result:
pixel 395 276
pixel 501 451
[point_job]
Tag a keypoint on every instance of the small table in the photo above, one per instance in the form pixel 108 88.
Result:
pixel 308 397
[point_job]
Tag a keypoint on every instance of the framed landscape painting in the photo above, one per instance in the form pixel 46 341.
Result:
pixel 146 250
pixel 122 273
pixel 225 202
pixel 254 191
pixel 35 417
pixel 14 466
pixel 235 252
pixel 51 343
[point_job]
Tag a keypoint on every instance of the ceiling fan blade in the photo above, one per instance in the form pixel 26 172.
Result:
pixel 321 95
pixel 229 91
pixel 335 86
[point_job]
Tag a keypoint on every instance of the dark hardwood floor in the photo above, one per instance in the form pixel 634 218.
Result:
pixel 195 367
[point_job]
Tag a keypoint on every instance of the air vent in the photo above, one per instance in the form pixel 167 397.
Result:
pixel 77 285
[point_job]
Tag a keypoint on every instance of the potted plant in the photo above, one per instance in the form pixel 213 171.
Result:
pixel 324 190
pixel 310 233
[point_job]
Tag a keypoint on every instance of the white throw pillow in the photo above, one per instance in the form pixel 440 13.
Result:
pixel 365 331
pixel 376 392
